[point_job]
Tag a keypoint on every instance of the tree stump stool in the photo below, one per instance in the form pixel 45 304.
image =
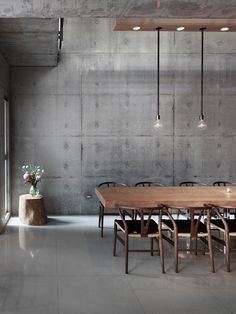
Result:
pixel 32 210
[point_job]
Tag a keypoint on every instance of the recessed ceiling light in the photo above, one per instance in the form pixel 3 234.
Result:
pixel 181 28
pixel 224 29
pixel 136 28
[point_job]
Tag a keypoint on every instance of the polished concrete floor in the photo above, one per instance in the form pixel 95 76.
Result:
pixel 66 268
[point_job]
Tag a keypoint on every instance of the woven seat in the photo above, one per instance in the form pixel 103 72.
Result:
pixel 132 228
pixel 184 226
pixel 218 223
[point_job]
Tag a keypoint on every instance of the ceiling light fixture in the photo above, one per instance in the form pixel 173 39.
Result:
pixel 224 29
pixel 180 28
pixel 202 124
pixel 157 123
pixel 136 28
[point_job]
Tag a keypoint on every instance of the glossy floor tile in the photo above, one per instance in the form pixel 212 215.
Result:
pixel 66 268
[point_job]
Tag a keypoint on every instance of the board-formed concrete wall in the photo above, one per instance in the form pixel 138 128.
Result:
pixel 4 88
pixel 90 119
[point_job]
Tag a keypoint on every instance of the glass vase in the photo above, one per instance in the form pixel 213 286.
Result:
pixel 34 191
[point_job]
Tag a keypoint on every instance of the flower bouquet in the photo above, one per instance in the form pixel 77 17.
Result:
pixel 32 175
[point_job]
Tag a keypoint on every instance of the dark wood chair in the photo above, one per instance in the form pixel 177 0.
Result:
pixel 192 183
pixel 148 183
pixel 222 183
pixel 190 228
pixel 226 211
pixel 227 227
pixel 132 228
pixel 102 213
pixel 189 183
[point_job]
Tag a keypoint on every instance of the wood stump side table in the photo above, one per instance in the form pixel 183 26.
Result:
pixel 32 210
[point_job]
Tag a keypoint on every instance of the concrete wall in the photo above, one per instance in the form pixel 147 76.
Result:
pixel 90 119
pixel 4 87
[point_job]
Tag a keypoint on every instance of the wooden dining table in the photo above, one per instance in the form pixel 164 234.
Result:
pixel 173 196
pixel 194 197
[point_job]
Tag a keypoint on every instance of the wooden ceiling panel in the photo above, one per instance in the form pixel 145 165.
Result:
pixel 190 25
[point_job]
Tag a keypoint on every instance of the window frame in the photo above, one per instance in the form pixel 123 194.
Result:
pixel 7 183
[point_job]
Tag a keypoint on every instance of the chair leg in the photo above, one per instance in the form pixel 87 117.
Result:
pixel 176 250
pixel 210 242
pixel 161 254
pixel 114 239
pixel 126 252
pixel 102 220
pixel 196 245
pixel 211 253
pixel 158 247
pixel 178 213
pixel 151 240
pixel 136 214
pixel 227 243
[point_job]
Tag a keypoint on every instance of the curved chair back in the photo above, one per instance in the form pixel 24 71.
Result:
pixel 191 183
pixel 148 183
pixel 222 183
pixel 110 184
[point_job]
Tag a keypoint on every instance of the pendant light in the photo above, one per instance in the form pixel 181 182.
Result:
pixel 157 123
pixel 201 123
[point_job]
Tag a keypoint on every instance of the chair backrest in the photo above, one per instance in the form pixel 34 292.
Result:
pixel 222 183
pixel 148 183
pixel 191 183
pixel 110 184
pixel 143 213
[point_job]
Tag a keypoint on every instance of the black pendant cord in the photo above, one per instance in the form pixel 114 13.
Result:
pixel 202 65
pixel 158 72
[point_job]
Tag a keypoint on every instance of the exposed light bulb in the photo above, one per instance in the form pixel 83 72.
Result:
pixel 136 28
pixel 224 29
pixel 201 124
pixel 180 28
pixel 157 124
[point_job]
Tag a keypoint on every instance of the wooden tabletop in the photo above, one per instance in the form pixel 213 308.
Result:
pixel 154 196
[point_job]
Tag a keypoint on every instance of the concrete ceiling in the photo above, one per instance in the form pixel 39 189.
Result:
pixel 29 41
pixel 119 8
